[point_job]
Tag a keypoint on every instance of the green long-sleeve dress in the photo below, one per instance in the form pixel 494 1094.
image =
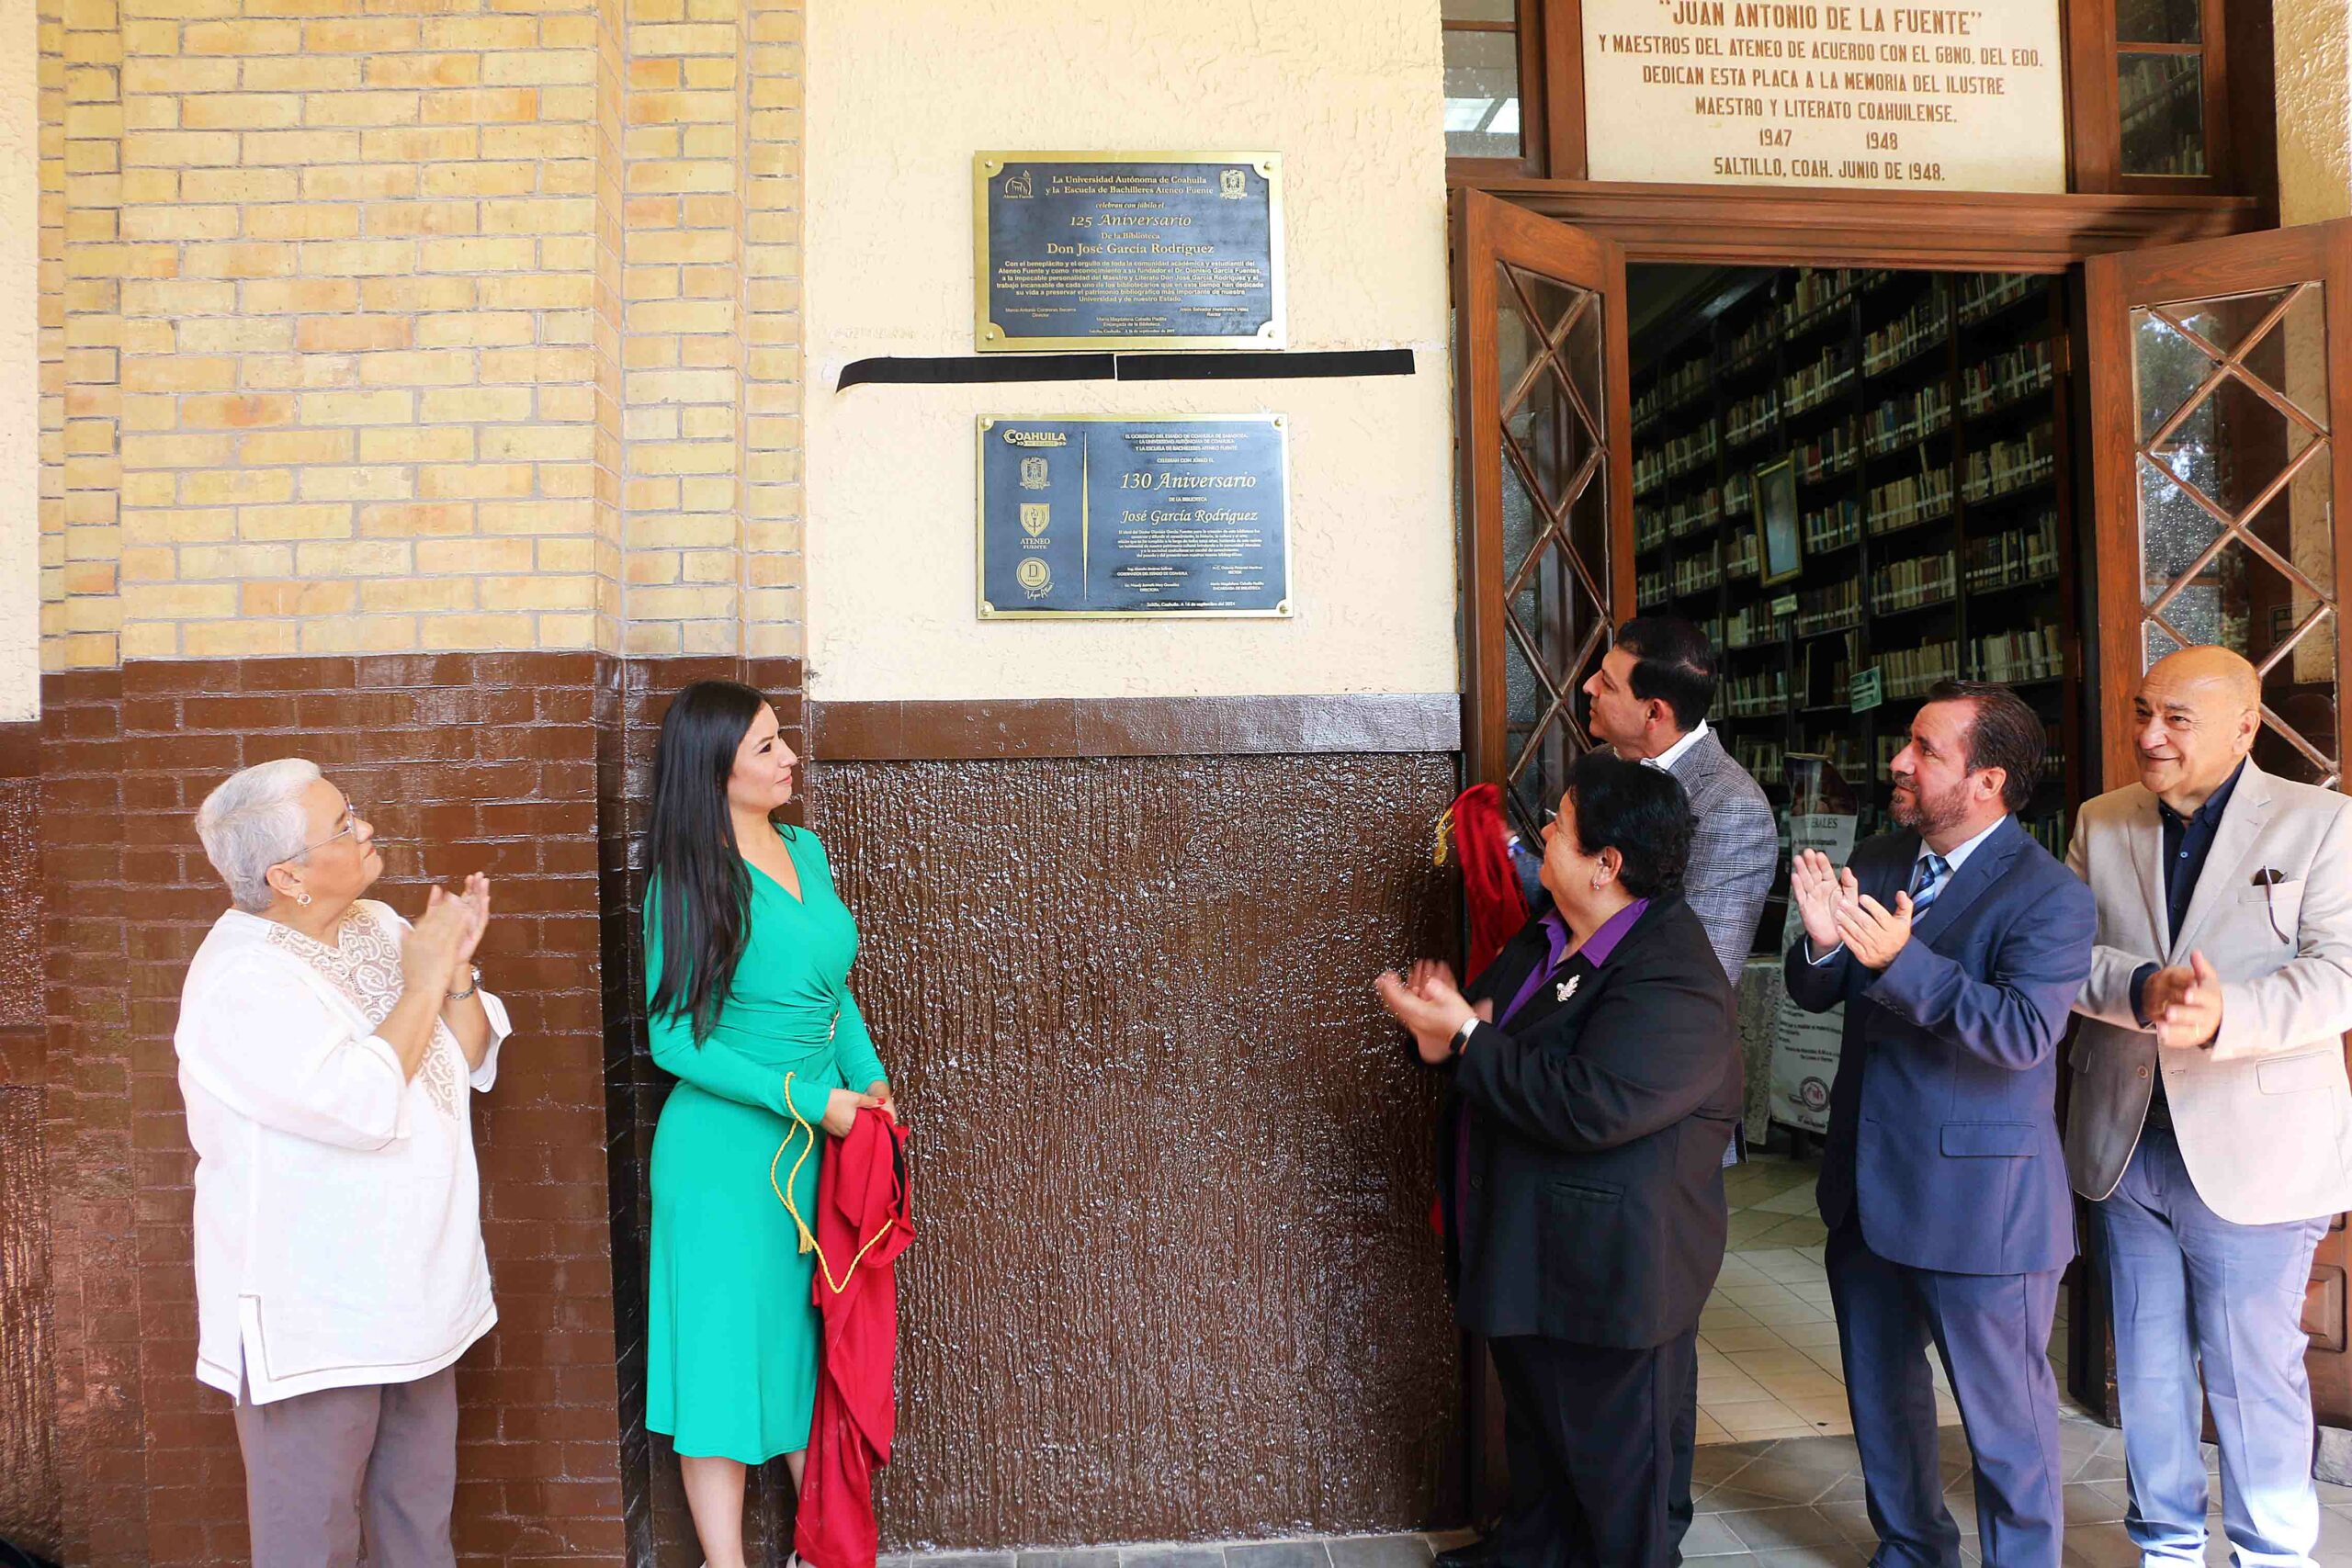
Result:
pixel 733 1335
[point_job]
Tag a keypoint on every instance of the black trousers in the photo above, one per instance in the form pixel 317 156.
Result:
pixel 1598 1476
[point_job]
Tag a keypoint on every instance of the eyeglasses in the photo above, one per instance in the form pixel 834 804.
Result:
pixel 351 821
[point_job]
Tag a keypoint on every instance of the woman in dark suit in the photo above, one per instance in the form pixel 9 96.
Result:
pixel 1596 1079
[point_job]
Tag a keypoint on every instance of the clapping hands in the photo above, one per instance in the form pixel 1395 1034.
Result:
pixel 1836 911
pixel 2185 1003
pixel 437 952
pixel 1429 1002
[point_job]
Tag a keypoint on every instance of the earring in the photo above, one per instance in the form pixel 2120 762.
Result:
pixel 304 898
pixel 1598 883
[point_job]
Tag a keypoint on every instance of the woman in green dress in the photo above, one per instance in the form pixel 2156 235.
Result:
pixel 747 957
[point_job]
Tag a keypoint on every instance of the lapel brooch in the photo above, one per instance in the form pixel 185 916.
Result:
pixel 1566 989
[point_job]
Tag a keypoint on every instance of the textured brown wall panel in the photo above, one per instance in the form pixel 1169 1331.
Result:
pixel 29 1499
pixel 474 760
pixel 27 1475
pixel 1173 1277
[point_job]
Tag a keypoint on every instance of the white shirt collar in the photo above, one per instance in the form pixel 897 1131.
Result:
pixel 1957 856
pixel 1673 754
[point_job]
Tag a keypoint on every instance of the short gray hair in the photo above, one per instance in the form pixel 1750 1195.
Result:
pixel 253 821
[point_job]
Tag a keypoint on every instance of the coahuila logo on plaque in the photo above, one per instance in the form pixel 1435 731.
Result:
pixel 1132 250
pixel 1171 515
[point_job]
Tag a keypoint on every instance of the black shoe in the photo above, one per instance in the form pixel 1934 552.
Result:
pixel 1480 1553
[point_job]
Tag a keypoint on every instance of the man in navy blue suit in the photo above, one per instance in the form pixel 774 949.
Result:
pixel 1957 944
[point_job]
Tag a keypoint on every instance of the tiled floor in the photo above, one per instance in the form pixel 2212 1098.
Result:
pixel 1768 1341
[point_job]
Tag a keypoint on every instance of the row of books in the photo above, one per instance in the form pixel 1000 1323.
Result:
pixel 1834 451
pixel 1829 608
pixel 1983 294
pixel 1913 416
pixel 2030 653
pixel 1911 671
pixel 1833 526
pixel 1695 513
pixel 1925 325
pixel 1761 757
pixel 1756 695
pixel 1915 498
pixel 1678 456
pixel 2008 466
pixel 1696 573
pixel 1752 418
pixel 2020 555
pixel 1812 385
pixel 1683 381
pixel 1819 290
pixel 1650 589
pixel 1743 560
pixel 2009 375
pixel 1752 340
pixel 1908 584
pixel 1752 626
pixel 1815 294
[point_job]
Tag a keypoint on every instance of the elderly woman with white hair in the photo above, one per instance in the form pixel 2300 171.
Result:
pixel 327 1051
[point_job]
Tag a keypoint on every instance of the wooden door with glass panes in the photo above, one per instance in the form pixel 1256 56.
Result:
pixel 2218 371
pixel 1546 477
pixel 1545 472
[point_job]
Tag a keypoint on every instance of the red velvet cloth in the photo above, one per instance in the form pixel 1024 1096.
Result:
pixel 862 1203
pixel 1491 895
pixel 1489 888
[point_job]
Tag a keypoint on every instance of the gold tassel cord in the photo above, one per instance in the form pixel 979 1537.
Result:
pixel 783 1195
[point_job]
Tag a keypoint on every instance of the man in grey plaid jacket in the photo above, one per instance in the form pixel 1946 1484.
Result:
pixel 1649 704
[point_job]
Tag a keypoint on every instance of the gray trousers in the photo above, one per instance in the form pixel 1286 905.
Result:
pixel 317 1466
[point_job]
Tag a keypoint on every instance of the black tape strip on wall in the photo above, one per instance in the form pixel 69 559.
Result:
pixel 893 370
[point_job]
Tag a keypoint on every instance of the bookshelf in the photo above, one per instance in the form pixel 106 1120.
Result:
pixel 1925 415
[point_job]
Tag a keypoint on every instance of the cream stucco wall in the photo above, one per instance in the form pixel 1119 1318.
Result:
pixel 2313 60
pixel 20 364
pixel 899 96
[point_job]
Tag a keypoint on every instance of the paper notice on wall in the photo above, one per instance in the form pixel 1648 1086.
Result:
pixel 1805 1044
pixel 1865 97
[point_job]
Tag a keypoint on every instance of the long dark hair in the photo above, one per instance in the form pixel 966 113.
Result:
pixel 702 893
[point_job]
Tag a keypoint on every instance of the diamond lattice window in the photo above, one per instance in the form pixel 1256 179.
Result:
pixel 2234 467
pixel 1555 552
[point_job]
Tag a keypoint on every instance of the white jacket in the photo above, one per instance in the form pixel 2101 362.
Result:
pixel 2263 1115
pixel 338 1216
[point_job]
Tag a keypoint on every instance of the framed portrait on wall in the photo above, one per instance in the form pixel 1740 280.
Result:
pixel 1779 541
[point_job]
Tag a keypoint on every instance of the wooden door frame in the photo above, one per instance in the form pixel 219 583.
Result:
pixel 2202 270
pixel 2321 250
pixel 1482 226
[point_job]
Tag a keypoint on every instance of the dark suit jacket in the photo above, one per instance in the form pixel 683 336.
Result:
pixel 1597 1128
pixel 1943 1127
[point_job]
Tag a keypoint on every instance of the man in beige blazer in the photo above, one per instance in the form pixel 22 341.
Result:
pixel 2211 1119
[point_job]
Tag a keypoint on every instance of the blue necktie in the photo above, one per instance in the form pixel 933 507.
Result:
pixel 1926 881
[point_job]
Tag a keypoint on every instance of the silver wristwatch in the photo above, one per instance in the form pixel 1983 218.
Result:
pixel 473 984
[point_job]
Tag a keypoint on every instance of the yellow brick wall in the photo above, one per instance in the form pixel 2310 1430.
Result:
pixel 401 324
